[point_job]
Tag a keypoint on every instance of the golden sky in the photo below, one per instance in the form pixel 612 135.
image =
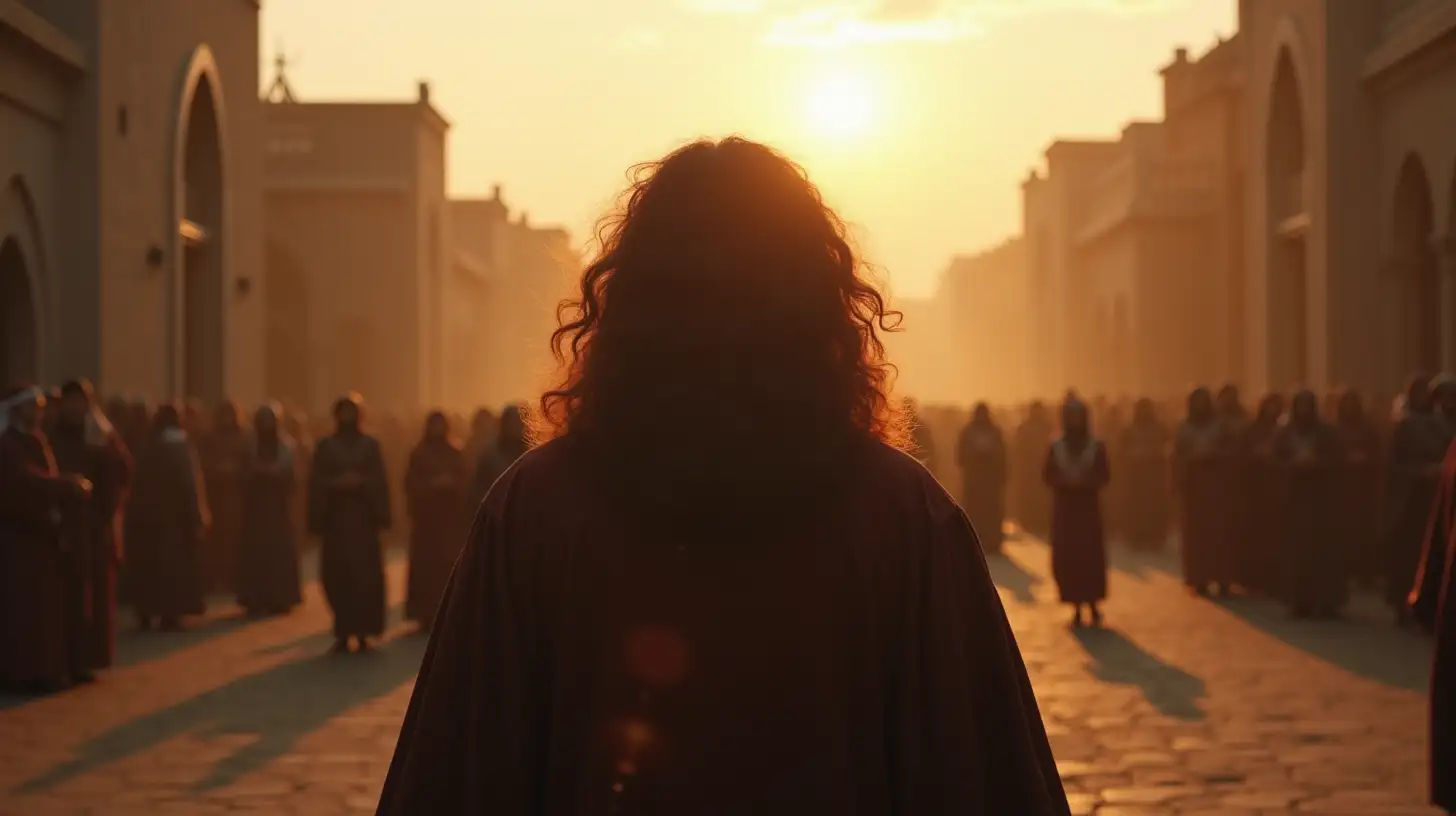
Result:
pixel 918 118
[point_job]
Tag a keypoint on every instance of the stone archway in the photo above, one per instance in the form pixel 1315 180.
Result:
pixel 200 290
pixel 1416 271
pixel 289 356
pixel 19 328
pixel 1289 211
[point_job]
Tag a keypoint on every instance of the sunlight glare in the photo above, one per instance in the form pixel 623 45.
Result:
pixel 841 106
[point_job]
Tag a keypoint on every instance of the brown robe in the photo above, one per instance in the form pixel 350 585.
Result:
pixel 982 459
pixel 1259 493
pixel 1314 572
pixel 438 490
pixel 224 454
pixel 1077 478
pixel 32 592
pixel 850 659
pixel 95 548
pixel 1030 501
pixel 267 556
pixel 348 510
pixel 1198 477
pixel 1142 471
pixel 165 522
pixel 1417 447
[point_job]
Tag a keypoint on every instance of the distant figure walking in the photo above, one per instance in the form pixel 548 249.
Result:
pixel 722 586
pixel 166 523
pixel 437 488
pixel 348 509
pixel 981 455
pixel 267 556
pixel 1077 472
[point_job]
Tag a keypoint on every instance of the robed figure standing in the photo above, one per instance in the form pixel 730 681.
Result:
pixel 1200 463
pixel 224 451
pixel 981 455
pixel 437 487
pixel 166 522
pixel 1433 594
pixel 722 586
pixel 1417 448
pixel 509 444
pixel 267 556
pixel 1359 504
pixel 1142 468
pixel 87 444
pixel 1262 482
pixel 1077 471
pixel 33 639
pixel 1315 575
pixel 348 510
pixel 1031 503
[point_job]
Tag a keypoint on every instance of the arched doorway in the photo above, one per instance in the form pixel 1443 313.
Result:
pixel 1417 275
pixel 18 326
pixel 1288 282
pixel 288 353
pixel 200 240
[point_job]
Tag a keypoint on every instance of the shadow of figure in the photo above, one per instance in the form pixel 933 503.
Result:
pixel 1363 642
pixel 1140 564
pixel 1117 659
pixel 1010 575
pixel 278 706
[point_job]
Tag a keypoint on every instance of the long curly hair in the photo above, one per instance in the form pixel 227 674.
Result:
pixel 726 316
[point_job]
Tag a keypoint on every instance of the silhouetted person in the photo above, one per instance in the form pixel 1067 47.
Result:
pixel 1412 473
pixel 1077 471
pixel 33 646
pixel 1142 469
pixel 1030 499
pixel 166 522
pixel 1200 483
pixel 437 487
pixel 1315 575
pixel 1433 603
pixel 1359 503
pixel 981 455
pixel 223 452
pixel 348 510
pixel 722 586
pixel 483 426
pixel 86 444
pixel 1226 564
pixel 1440 518
pixel 1261 484
pixel 508 446
pixel 268 580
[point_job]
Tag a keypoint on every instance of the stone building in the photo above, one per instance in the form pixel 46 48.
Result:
pixel 1316 152
pixel 130 214
pixel 985 302
pixel 356 252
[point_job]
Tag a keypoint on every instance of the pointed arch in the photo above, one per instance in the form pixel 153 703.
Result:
pixel 26 320
pixel 1417 268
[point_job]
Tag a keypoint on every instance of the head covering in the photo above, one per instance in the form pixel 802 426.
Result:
pixel 17 397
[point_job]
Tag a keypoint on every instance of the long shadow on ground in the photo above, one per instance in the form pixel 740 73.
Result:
pixel 1117 659
pixel 278 707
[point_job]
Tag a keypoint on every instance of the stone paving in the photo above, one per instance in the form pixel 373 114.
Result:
pixel 1181 705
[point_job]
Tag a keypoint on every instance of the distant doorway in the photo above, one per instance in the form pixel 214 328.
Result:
pixel 18 326
pixel 289 355
pixel 1288 207
pixel 202 293
pixel 1417 278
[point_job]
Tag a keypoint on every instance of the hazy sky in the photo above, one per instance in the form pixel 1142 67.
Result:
pixel 918 118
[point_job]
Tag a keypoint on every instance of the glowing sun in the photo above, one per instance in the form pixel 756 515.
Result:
pixel 840 106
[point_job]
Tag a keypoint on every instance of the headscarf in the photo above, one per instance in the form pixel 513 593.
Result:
pixel 285 440
pixel 97 429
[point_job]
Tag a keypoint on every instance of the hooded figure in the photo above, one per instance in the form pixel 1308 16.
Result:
pixel 1315 575
pixel 1413 470
pixel 165 525
pixel 981 455
pixel 267 556
pixel 1077 471
pixel 437 488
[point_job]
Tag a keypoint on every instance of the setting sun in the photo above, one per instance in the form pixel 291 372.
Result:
pixel 841 105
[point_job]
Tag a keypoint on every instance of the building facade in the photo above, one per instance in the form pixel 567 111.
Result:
pixel 130 213
pixel 984 300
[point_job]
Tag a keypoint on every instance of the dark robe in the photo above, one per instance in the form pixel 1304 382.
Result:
pixel 1314 576
pixel 1257 492
pixel 165 522
pixel 1204 529
pixel 1030 500
pixel 32 589
pixel 1432 596
pixel 1142 470
pixel 496 460
pixel 982 459
pixel 1359 505
pixel 1110 422
pixel 851 657
pixel 94 549
pixel 348 510
pixel 224 454
pixel 267 557
pixel 1417 447
pixel 438 490
pixel 1077 478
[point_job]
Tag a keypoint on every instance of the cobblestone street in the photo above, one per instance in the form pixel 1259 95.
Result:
pixel 1181 705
